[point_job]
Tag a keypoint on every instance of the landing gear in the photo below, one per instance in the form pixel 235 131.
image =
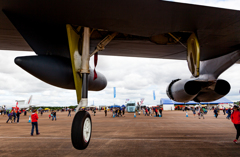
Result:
pixel 79 46
pixel 81 130
pixel 193 55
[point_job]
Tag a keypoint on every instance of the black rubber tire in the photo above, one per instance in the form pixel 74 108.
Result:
pixel 77 130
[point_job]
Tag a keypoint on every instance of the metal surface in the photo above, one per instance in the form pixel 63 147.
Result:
pixel 183 90
pixel 85 85
pixel 57 71
pixel 42 26
pixel 213 92
pixel 85 50
pixel 193 55
pixel 87 130
pixel 177 40
pixel 85 67
pixel 103 43
pixel 211 88
pixel 73 42
pixel 211 69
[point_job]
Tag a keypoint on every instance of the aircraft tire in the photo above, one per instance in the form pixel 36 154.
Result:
pixel 81 130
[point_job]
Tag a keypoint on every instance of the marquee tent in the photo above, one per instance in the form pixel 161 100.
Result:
pixel 167 101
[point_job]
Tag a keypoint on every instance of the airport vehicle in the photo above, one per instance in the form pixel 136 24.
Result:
pixel 65 34
pixel 131 106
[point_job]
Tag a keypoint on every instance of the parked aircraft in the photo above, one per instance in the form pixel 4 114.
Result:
pixel 20 104
pixel 65 34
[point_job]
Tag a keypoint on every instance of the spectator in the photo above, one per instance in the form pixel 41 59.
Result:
pixel 235 117
pixel 69 112
pixel 160 111
pixel 224 110
pixel 216 112
pixel 194 112
pixel 105 112
pixel 18 115
pixel 34 117
pixel 9 117
pixel 229 113
pixel 54 116
pixel 14 115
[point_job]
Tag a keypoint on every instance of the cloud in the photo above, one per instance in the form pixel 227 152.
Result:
pixel 228 4
pixel 134 78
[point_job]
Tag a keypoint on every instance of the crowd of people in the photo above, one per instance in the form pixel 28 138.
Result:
pixel 117 112
pixel 150 111
pixel 13 115
pixel 233 114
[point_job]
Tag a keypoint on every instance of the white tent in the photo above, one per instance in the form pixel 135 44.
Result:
pixel 167 104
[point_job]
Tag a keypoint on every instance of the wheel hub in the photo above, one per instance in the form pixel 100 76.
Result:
pixel 87 130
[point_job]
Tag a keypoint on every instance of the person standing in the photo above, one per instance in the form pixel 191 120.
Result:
pixel 34 118
pixel 14 115
pixel 94 111
pixel 18 115
pixel 146 112
pixel 201 114
pixel 69 112
pixel 160 111
pixel 105 112
pixel 235 117
pixel 216 112
pixel 120 112
pixel 224 110
pixel 156 112
pixel 194 111
pixel 54 116
pixel 9 117
pixel 229 113
pixel 150 112
pixel 123 111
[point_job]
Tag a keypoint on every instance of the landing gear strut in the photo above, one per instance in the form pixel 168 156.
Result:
pixel 82 124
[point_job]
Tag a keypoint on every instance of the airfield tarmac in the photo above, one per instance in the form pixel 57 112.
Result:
pixel 174 134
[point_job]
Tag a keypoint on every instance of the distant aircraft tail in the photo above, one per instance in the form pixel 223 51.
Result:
pixel 30 100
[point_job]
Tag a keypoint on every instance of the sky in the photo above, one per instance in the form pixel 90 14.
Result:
pixel 134 78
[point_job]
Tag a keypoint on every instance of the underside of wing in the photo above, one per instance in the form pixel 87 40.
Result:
pixel 152 28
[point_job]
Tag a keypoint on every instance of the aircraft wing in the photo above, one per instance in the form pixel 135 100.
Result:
pixel 143 27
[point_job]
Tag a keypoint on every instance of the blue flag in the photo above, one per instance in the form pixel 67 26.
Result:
pixel 154 97
pixel 114 92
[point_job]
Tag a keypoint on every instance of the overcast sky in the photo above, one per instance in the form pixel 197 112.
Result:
pixel 134 78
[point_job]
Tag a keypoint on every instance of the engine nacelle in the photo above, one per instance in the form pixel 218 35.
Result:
pixel 183 90
pixel 221 89
pixel 57 71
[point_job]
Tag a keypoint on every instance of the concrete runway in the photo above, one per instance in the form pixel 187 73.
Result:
pixel 174 135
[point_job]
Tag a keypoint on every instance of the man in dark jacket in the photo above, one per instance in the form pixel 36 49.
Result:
pixel 9 117
pixel 54 115
pixel 18 115
pixel 69 112
pixel 105 112
pixel 229 112
pixel 216 112
pixel 160 111
pixel 14 115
